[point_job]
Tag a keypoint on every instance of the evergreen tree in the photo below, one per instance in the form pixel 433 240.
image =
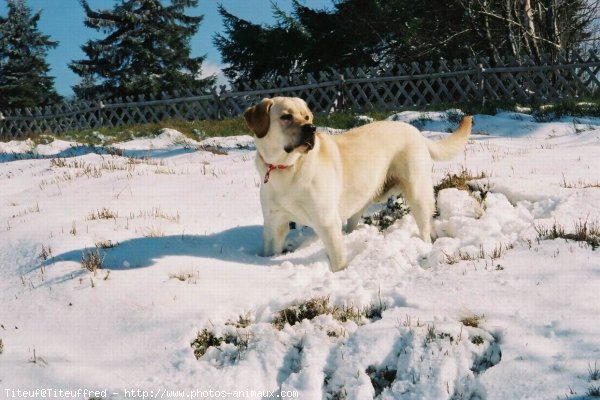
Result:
pixel 353 33
pixel 379 33
pixel 146 50
pixel 24 80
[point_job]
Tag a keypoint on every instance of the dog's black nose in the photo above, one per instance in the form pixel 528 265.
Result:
pixel 309 128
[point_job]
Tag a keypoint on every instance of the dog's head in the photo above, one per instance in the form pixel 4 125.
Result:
pixel 282 124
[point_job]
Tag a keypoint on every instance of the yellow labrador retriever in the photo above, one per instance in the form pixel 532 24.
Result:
pixel 322 181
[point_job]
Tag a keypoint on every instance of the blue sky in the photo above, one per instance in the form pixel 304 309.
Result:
pixel 63 21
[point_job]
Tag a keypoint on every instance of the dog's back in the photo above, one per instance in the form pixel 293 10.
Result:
pixel 389 157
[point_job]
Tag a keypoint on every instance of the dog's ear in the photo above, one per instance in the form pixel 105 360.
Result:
pixel 257 117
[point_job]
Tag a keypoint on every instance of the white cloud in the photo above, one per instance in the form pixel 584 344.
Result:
pixel 211 68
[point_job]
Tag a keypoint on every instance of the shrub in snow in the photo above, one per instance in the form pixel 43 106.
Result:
pixel 234 334
pixel 454 115
pixel 203 341
pixel 477 340
pixel 381 379
pixel 394 210
pixel 420 122
pixel 593 391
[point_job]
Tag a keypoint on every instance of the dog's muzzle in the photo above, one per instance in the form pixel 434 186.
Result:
pixel 306 138
pixel 309 129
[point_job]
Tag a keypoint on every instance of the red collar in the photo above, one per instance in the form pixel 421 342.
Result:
pixel 271 167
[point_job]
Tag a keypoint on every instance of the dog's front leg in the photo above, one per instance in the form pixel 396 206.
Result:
pixel 331 235
pixel 275 230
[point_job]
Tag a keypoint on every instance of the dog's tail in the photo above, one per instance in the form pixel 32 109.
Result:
pixel 449 147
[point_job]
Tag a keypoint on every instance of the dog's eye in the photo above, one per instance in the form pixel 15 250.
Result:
pixel 306 118
pixel 286 117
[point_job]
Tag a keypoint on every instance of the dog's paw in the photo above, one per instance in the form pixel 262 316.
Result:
pixel 338 267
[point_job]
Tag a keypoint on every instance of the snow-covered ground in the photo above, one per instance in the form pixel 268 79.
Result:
pixel 185 228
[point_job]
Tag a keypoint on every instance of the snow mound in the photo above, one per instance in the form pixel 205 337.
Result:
pixel 228 143
pixel 469 225
pixel 167 143
pixel 58 147
pixel 439 121
pixel 27 149
pixel 16 147
pixel 180 239
pixel 384 359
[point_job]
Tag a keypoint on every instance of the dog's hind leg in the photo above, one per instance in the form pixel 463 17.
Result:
pixel 354 220
pixel 417 187
pixel 275 230
pixel 420 199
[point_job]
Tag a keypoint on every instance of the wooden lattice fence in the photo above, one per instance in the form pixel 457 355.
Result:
pixel 353 89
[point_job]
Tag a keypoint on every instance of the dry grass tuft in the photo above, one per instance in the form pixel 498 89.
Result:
pixel 152 232
pixel 459 181
pixel 46 253
pixel 157 213
pixel 312 308
pixel 471 320
pixel 32 209
pixel 243 321
pixel 308 309
pixel 580 184
pixel 104 213
pixel 593 373
pixel 186 276
pixel 495 254
pixel 583 231
pixel 92 260
pixel 105 244
pixel 589 232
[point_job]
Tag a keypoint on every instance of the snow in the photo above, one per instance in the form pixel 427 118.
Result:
pixel 179 208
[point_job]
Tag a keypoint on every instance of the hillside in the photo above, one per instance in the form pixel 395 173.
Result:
pixel 493 309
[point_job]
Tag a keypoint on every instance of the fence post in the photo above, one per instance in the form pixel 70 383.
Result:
pixel 341 100
pixel 101 114
pixel 220 110
pixel 481 84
